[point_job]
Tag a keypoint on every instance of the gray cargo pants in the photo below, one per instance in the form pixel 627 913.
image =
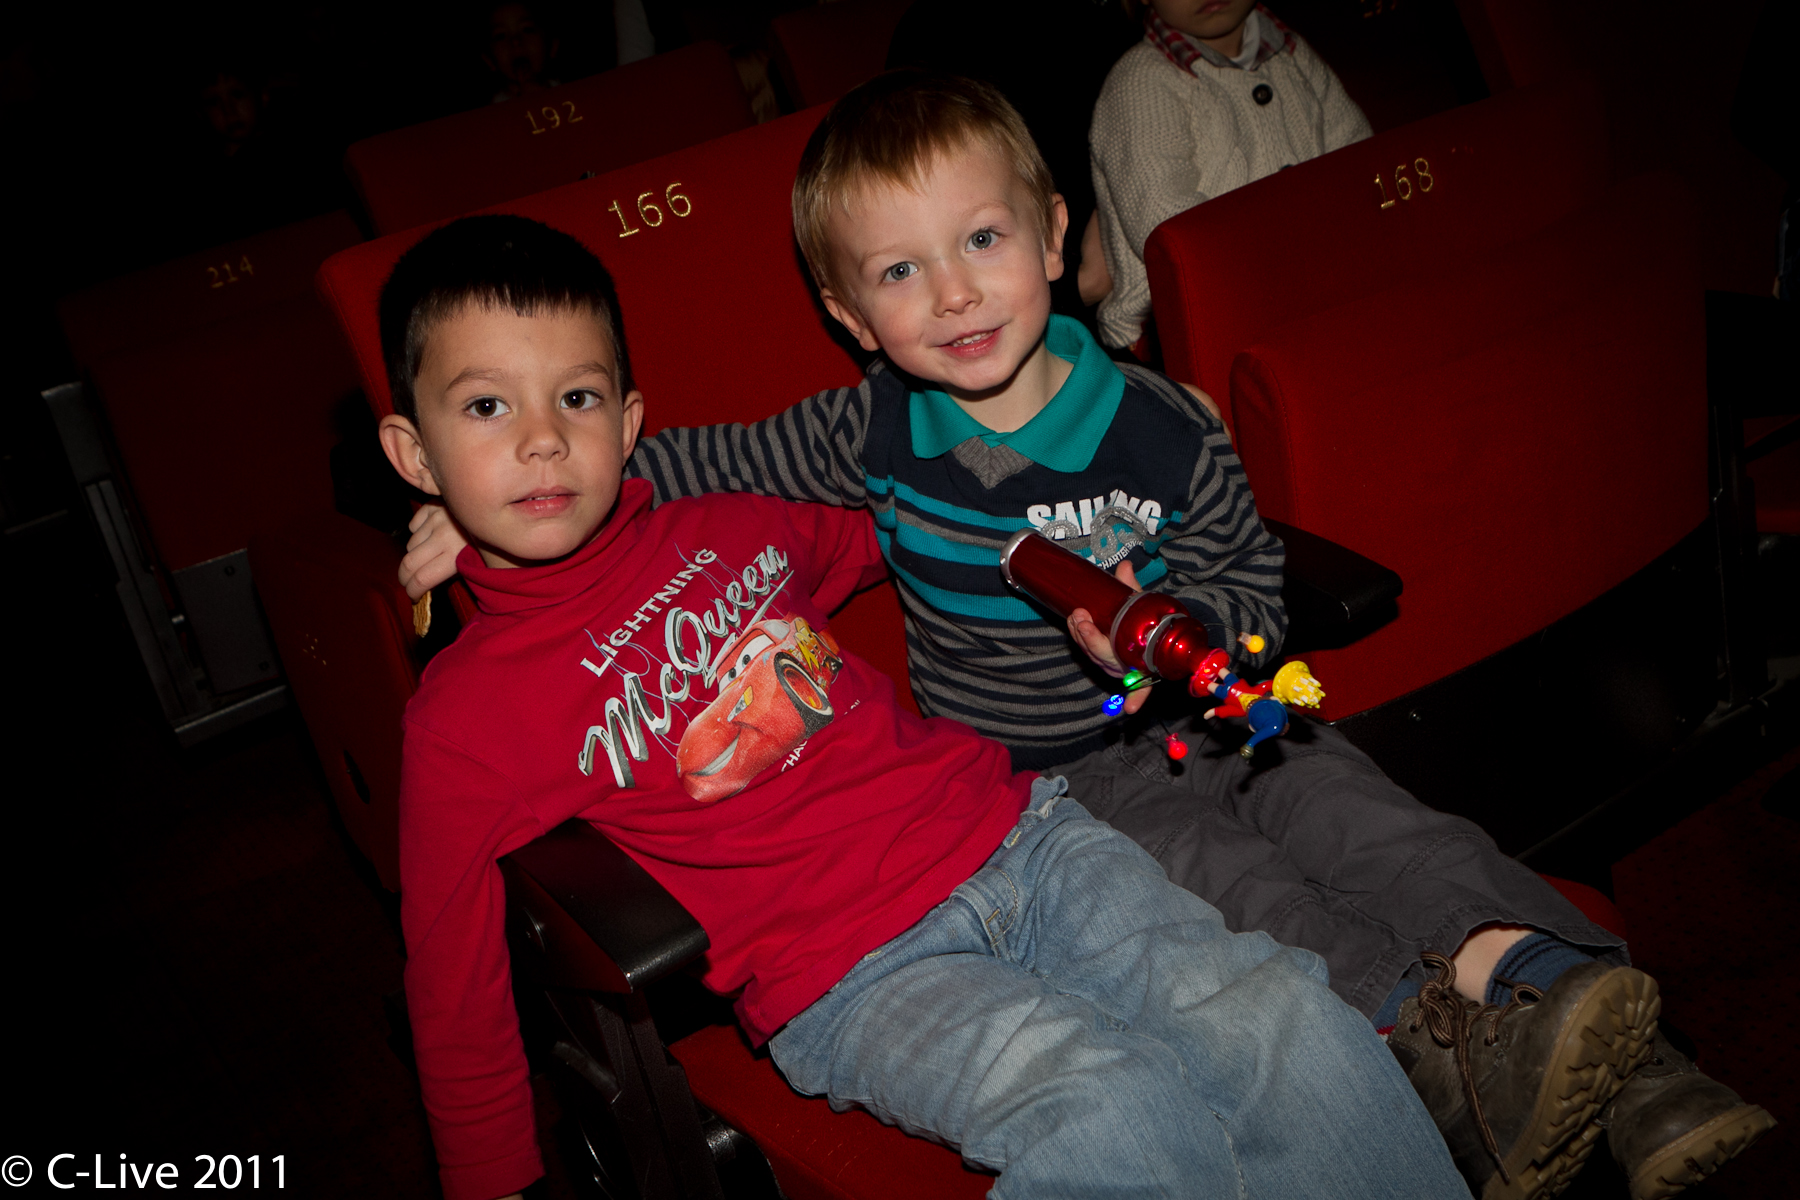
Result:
pixel 1314 845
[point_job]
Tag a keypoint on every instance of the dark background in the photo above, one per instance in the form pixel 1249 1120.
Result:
pixel 195 956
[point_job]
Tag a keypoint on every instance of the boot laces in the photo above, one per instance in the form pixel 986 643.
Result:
pixel 1451 1020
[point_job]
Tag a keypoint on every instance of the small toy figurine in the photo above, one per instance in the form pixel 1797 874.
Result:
pixel 1264 705
pixel 1154 636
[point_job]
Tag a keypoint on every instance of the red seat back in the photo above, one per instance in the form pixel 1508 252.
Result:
pixel 722 322
pixel 456 164
pixel 225 283
pixel 1399 62
pixel 219 373
pixel 1508 38
pixel 1514 439
pixel 827 49
pixel 1355 221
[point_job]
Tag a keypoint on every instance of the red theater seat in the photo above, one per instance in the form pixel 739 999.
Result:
pixel 1508 37
pixel 1409 203
pixel 229 427
pixel 1524 442
pixel 824 51
pixel 218 375
pixel 456 164
pixel 226 282
pixel 1514 440
pixel 1399 62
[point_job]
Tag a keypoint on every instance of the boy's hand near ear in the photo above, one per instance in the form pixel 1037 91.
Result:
pixel 1093 639
pixel 431 551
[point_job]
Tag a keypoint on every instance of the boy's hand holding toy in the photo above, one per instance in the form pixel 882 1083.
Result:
pixel 1150 635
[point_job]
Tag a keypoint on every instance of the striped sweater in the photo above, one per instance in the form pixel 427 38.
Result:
pixel 1136 469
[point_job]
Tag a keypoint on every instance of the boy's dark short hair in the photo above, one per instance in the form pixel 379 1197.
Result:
pixel 494 261
pixel 888 131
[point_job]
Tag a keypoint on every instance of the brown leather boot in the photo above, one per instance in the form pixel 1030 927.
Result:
pixel 1515 1089
pixel 1671 1126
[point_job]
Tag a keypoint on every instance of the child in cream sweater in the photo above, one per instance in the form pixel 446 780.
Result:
pixel 1218 94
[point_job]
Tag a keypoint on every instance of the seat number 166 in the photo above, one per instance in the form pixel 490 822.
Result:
pixel 651 213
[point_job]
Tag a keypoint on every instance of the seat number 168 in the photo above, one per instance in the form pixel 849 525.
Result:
pixel 1403 183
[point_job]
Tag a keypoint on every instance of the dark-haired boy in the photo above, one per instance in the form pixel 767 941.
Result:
pixel 910 925
pixel 932 227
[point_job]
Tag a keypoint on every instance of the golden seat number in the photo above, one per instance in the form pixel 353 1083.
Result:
pixel 649 211
pixel 223 274
pixel 553 119
pixel 1404 185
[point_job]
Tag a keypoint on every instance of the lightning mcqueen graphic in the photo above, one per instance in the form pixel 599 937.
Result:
pixel 774 693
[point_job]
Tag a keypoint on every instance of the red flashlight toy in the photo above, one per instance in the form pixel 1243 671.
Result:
pixel 1154 636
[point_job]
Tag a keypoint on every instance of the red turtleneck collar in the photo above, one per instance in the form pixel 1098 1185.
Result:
pixel 502 590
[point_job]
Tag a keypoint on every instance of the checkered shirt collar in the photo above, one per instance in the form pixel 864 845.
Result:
pixel 1273 38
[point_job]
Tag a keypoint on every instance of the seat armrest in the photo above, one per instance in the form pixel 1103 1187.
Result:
pixel 1751 366
pixel 599 920
pixel 1333 595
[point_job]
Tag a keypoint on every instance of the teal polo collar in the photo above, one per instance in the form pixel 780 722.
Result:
pixel 1064 436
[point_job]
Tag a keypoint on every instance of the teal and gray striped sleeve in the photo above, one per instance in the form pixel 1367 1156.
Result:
pixel 1223 562
pixel 811 451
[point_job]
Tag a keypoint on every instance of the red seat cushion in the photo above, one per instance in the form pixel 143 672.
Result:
pixel 456 164
pixel 1317 235
pixel 817 1154
pixel 1514 440
pixel 827 49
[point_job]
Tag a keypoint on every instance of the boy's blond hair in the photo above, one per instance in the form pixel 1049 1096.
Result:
pixel 888 131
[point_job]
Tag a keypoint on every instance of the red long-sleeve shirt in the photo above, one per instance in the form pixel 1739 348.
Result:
pixel 781 793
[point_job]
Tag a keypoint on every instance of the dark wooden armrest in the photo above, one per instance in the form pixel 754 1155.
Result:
pixel 1333 594
pixel 600 921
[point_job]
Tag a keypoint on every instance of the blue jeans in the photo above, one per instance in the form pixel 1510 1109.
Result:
pixel 1074 1021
